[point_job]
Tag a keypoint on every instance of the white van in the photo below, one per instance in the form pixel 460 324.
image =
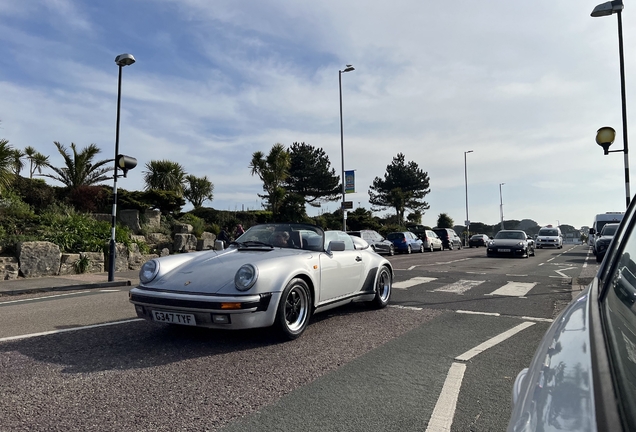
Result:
pixel 599 221
pixel 549 236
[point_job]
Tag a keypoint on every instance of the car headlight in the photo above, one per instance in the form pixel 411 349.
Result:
pixel 520 244
pixel 149 271
pixel 245 277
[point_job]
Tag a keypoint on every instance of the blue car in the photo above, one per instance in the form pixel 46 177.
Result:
pixel 405 242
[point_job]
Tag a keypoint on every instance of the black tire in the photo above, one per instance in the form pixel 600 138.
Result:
pixel 432 248
pixel 533 254
pixel 391 250
pixel 421 248
pixel 294 309
pixel 383 285
pixel 408 249
pixel 460 246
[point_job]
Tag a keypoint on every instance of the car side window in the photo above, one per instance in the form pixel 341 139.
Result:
pixel 619 307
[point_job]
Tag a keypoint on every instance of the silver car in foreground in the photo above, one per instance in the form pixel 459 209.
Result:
pixel 273 275
pixel 583 374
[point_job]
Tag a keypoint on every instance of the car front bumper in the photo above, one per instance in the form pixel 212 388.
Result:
pixel 505 251
pixel 545 243
pixel 211 311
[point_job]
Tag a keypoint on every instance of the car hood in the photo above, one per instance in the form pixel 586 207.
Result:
pixel 547 238
pixel 213 272
pixel 505 242
pixel 606 238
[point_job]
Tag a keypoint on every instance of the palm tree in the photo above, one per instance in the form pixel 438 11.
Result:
pixel 80 169
pixel 165 175
pixel 198 190
pixel 7 163
pixel 272 169
pixel 17 156
pixel 36 159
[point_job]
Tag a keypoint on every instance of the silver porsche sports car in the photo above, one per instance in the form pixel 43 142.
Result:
pixel 273 275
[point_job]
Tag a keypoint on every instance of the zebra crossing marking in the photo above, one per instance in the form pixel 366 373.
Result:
pixel 514 289
pixel 412 282
pixel 459 287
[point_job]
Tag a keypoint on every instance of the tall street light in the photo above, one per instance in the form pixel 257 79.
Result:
pixel 121 60
pixel 467 221
pixel 605 9
pixel 349 68
pixel 501 205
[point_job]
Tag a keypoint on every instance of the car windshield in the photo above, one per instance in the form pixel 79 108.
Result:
pixel 296 236
pixel 609 230
pixel 548 232
pixel 511 235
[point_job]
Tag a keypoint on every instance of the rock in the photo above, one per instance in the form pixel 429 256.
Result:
pixel 184 242
pixel 39 258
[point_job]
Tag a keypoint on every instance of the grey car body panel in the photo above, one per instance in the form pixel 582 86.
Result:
pixel 557 391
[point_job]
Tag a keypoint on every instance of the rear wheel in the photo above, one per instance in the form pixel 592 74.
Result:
pixel 391 250
pixel 408 249
pixel 382 289
pixel 294 309
pixel 421 248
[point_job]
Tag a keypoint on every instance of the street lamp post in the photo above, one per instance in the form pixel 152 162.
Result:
pixel 467 222
pixel 349 68
pixel 605 9
pixel 121 60
pixel 501 205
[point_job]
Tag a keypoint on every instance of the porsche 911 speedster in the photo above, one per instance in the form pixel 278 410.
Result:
pixel 273 275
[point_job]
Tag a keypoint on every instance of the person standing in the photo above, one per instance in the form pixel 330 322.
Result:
pixel 239 231
pixel 224 236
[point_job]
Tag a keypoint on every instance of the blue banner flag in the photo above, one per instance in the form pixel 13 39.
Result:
pixel 350 181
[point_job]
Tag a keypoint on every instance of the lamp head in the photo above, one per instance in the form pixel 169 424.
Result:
pixel 124 59
pixel 349 68
pixel 605 138
pixel 607 8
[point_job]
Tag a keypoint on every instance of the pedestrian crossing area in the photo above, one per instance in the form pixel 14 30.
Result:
pixel 463 286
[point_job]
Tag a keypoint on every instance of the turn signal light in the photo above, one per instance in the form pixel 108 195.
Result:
pixel 230 305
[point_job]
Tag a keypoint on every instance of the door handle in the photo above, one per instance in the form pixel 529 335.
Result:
pixel 358 258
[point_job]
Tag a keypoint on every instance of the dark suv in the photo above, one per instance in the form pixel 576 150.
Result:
pixel 378 243
pixel 450 239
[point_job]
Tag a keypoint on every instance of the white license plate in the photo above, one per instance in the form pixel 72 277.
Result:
pixel 174 318
pixel 503 250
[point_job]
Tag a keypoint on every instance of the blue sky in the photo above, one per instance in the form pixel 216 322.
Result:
pixel 525 85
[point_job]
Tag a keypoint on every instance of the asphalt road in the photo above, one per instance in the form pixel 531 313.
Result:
pixel 82 361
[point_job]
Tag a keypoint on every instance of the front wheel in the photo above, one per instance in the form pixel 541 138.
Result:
pixel 294 309
pixel 421 248
pixel 391 250
pixel 408 249
pixel 382 289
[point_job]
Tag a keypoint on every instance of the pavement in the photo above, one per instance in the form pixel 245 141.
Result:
pixel 68 282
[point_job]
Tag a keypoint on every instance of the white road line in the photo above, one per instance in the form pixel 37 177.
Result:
pixel 562 270
pixel 478 313
pixel 406 307
pixel 412 282
pixel 493 341
pixel 444 411
pixel 442 417
pixel 32 335
pixel 459 287
pixel 514 289
pixel 40 298
pixel 548 320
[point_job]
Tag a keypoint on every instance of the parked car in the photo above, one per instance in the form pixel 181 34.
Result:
pixel 478 240
pixel 450 239
pixel 406 242
pixel 431 241
pixel 597 225
pixel 604 239
pixel 549 237
pixel 378 243
pixel 273 275
pixel 583 373
pixel 511 243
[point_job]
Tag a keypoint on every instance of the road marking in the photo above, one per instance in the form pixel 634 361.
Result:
pixel 42 298
pixel 459 287
pixel 478 313
pixel 444 411
pixel 406 307
pixel 563 275
pixel 493 341
pixel 412 282
pixel 548 320
pixel 32 335
pixel 109 290
pixel 516 275
pixel 450 262
pixel 514 289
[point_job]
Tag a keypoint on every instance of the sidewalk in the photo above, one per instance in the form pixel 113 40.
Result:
pixel 68 282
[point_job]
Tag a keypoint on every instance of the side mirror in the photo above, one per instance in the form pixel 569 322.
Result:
pixel 592 231
pixel 335 246
pixel 218 245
